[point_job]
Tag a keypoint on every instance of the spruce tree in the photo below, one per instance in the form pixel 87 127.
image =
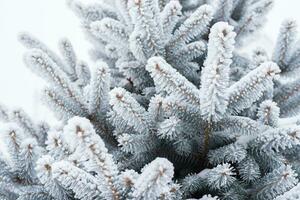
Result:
pixel 171 108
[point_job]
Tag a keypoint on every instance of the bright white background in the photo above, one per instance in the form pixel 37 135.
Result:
pixel 50 20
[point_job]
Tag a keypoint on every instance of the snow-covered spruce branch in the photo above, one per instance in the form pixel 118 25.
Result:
pixel 215 74
pixel 250 88
pixel 168 80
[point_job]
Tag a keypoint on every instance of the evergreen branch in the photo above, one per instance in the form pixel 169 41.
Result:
pixel 92 12
pixel 64 107
pixel 145 16
pixel 84 185
pixel 82 135
pixel 221 176
pixel 268 113
pixel 83 74
pixel 154 181
pixel 233 153
pixel 57 146
pixel 278 140
pixel 194 26
pixel 155 110
pixel 191 51
pixel 43 66
pixel 252 17
pixel 100 85
pixel 287 98
pixel 215 74
pixel 275 183
pixel 69 56
pixel 251 87
pixel 12 137
pixel 284 44
pixel 31 42
pixel 44 168
pixel 129 110
pixel 137 144
pixel 249 170
pixel 111 31
pixel 167 79
pixel 241 125
pixel 24 121
pixel 170 16
pixel 29 153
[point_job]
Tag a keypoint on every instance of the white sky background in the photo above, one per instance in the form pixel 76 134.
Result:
pixel 50 20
